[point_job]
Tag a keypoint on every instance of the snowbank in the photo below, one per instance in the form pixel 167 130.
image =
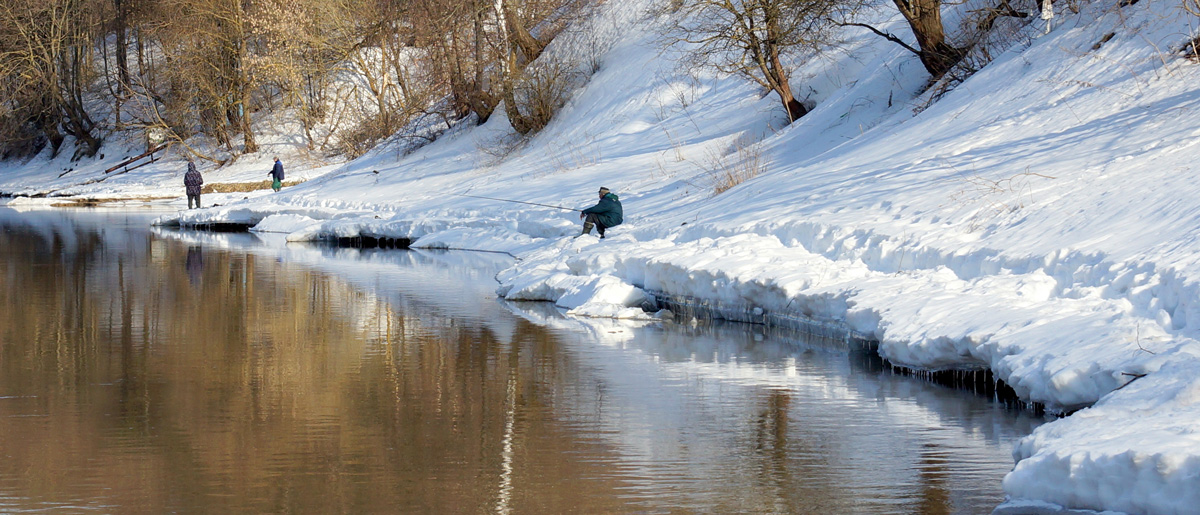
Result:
pixel 1038 220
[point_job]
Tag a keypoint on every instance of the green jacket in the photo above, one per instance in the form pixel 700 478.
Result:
pixel 608 210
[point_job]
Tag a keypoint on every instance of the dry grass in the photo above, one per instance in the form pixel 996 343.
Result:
pixel 998 197
pixel 223 187
pixel 97 202
pixel 236 187
pixel 539 92
pixel 741 165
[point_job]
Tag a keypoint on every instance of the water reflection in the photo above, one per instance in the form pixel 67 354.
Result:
pixel 150 371
pixel 732 419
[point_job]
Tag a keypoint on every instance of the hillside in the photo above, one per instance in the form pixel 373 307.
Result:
pixel 1038 219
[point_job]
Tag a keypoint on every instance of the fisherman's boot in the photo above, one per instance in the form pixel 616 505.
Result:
pixel 587 228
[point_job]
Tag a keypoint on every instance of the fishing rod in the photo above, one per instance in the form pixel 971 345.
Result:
pixel 519 202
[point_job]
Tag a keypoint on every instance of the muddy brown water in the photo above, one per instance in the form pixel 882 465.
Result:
pixel 148 371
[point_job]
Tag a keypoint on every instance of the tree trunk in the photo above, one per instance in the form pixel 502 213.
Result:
pixel 74 71
pixel 122 40
pixel 778 80
pixel 48 120
pixel 767 53
pixel 482 103
pixel 122 60
pixel 249 145
pixel 465 92
pixel 144 75
pixel 794 108
pixel 925 19
pixel 480 13
pixel 519 122
pixel 520 37
pixel 515 118
pixel 242 86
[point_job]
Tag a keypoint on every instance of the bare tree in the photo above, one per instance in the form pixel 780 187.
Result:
pixel 480 49
pixel 207 44
pixel 751 38
pixel 534 89
pixel 395 84
pixel 205 66
pixel 925 19
pixel 301 43
pixel 517 18
pixel 46 57
pixel 936 53
pixel 117 23
pixel 536 93
pixel 464 51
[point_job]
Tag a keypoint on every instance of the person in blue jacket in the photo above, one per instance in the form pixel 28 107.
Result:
pixel 276 174
pixel 605 214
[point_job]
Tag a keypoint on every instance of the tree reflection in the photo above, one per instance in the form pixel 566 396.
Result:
pixel 161 377
pixel 144 374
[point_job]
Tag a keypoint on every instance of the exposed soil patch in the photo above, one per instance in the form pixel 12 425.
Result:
pixel 236 187
pixel 97 202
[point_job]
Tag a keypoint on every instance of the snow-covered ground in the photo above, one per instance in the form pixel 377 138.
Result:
pixel 155 180
pixel 1038 220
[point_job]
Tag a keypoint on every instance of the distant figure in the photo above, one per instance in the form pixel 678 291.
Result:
pixel 607 213
pixel 276 174
pixel 192 182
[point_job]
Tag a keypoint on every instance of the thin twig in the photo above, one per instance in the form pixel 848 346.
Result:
pixel 886 35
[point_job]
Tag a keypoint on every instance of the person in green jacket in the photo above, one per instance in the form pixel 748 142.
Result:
pixel 605 214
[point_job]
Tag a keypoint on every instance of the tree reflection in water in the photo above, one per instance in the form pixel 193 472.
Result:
pixel 145 372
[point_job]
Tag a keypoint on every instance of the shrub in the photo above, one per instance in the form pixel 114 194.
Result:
pixel 734 168
pixel 537 94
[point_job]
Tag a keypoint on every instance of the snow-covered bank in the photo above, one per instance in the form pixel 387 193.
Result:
pixel 1039 220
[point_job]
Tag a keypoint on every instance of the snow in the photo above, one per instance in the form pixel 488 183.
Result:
pixel 1038 220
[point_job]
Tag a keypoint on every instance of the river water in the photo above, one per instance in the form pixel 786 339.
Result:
pixel 150 371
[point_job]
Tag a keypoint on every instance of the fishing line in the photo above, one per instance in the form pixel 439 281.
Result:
pixel 520 202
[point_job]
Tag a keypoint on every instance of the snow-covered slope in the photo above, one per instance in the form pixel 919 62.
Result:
pixel 1039 220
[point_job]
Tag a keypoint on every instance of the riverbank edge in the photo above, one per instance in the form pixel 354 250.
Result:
pixel 981 381
pixel 971 377
pixel 978 380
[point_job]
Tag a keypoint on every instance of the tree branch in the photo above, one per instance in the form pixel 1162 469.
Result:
pixel 886 35
pixel 1004 9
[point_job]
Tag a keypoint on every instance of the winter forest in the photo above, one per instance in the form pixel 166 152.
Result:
pixel 356 72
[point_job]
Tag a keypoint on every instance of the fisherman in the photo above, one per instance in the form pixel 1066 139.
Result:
pixel 192 182
pixel 607 213
pixel 276 174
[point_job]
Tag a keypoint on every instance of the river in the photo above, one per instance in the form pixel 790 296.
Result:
pixel 154 371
